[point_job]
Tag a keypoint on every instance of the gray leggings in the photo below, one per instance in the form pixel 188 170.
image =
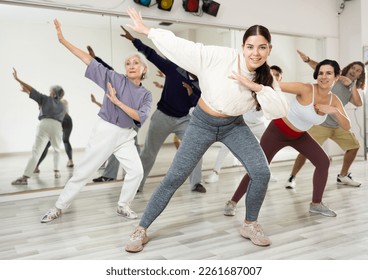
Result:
pixel 202 132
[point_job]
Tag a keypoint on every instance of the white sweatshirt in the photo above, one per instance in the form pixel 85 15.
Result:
pixel 213 65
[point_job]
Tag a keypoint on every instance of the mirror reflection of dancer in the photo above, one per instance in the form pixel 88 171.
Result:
pixel 126 104
pixel 312 105
pixel 67 126
pixel 52 113
pixel 232 83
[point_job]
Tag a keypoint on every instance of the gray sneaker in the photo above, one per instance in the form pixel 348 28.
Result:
pixel 254 232
pixel 230 208
pixel 320 208
pixel 21 181
pixel 136 241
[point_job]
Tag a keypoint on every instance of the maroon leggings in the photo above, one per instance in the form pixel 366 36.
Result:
pixel 273 140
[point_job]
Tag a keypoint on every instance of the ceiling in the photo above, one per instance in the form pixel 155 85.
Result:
pixel 80 12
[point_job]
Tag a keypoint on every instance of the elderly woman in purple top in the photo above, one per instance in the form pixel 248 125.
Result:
pixel 127 104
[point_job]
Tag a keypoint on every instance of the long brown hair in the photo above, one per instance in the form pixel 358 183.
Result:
pixel 360 83
pixel 263 73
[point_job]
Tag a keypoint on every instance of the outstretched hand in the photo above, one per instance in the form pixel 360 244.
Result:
pixel 188 88
pixel 58 30
pixel 138 23
pixel 111 95
pixel 322 109
pixel 303 56
pixel 244 80
pixel 93 98
pixel 127 34
pixel 160 74
pixel 24 87
pixel 158 85
pixel 91 52
pixel 345 80
pixel 15 75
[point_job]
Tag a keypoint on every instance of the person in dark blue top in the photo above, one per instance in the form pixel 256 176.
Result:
pixel 179 94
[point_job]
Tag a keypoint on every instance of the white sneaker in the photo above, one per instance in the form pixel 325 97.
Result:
pixel 347 180
pixel 290 183
pixel 50 215
pixel 212 178
pixel 70 164
pixel 126 212
pixel 57 174
pixel 273 178
pixel 230 208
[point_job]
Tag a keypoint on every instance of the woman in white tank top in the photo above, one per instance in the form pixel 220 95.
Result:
pixel 310 107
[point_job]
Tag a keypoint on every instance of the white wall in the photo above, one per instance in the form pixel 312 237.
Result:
pixel 350 30
pixel 297 17
pixel 364 24
pixel 352 24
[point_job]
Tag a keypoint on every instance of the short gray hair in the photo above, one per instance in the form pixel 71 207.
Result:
pixel 58 90
pixel 143 59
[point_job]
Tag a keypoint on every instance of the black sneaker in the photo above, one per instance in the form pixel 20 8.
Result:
pixel 102 179
pixel 199 188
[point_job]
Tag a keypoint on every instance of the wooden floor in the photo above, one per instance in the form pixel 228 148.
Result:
pixel 192 227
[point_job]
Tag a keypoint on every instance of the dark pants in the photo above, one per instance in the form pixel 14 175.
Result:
pixel 273 140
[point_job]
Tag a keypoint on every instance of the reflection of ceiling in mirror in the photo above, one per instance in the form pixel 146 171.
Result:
pixel 31 12
pixel 91 4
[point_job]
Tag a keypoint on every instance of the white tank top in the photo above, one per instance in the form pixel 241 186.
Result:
pixel 303 117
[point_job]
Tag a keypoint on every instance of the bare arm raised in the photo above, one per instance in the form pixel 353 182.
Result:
pixel 25 87
pixel 93 100
pixel 82 55
pixel 306 59
pixel 138 23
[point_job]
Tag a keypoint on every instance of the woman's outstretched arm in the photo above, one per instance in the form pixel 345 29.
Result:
pixel 82 55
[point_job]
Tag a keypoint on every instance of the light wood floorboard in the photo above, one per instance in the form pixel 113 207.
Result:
pixel 192 227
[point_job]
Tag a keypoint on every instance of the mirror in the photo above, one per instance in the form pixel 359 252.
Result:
pixel 31 47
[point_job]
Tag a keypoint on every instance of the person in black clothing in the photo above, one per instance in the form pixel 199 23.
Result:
pixel 180 93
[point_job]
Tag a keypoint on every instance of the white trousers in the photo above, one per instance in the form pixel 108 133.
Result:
pixel 106 139
pixel 47 130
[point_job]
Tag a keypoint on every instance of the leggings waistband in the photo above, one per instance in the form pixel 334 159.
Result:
pixel 286 129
